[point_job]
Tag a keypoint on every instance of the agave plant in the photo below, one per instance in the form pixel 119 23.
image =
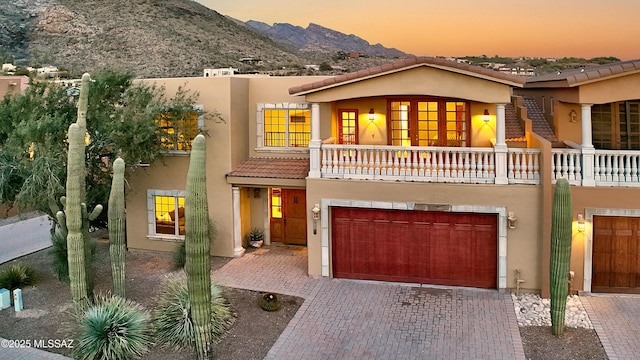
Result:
pixel 16 276
pixel 112 328
pixel 172 318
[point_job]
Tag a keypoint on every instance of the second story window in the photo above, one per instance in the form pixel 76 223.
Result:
pixel 178 127
pixel 284 125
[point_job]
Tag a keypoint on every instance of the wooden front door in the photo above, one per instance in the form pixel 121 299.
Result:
pixel 428 247
pixel 288 216
pixel 616 254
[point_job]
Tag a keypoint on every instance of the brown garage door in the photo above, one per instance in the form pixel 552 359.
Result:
pixel 616 254
pixel 458 249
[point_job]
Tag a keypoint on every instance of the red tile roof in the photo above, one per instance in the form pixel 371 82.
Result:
pixel 569 78
pixel 275 168
pixel 404 64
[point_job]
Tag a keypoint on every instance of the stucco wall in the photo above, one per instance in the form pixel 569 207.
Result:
pixel 523 242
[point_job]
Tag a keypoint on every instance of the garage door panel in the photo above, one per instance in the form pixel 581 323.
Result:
pixel 416 246
pixel 616 254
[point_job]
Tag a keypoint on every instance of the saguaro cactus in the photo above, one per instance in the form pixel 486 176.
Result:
pixel 116 221
pixel 198 244
pixel 560 253
pixel 73 211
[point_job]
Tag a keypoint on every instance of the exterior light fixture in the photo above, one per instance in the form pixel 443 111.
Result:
pixel 511 220
pixel 372 115
pixel 573 116
pixel 580 223
pixel 316 216
pixel 485 116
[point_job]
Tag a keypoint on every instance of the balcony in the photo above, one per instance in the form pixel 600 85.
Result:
pixel 592 167
pixel 429 164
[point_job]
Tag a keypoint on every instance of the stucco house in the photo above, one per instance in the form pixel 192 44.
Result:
pixel 420 171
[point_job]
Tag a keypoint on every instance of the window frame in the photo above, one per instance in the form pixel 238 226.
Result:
pixel 414 126
pixel 151 214
pixel 200 125
pixel 261 132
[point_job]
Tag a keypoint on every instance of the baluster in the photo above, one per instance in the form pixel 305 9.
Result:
pixel 454 163
pixel 474 166
pixel 616 168
pixel 596 167
pixel 421 165
pixel 510 166
pixel 324 161
pixel 536 167
pixel 465 166
pixel 440 165
pixel 517 170
pixel 557 166
pixel 335 161
pixel 529 166
pixel 447 163
pixel 634 168
pixel 358 155
pixel 491 171
pixel 414 162
pixel 402 156
pixel 571 175
pixel 578 166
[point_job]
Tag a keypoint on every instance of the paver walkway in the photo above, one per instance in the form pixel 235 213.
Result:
pixel 616 321
pixel 343 319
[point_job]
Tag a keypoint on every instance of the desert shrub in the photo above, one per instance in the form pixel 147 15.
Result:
pixel 269 302
pixel 17 276
pixel 172 320
pixel 111 328
pixel 179 256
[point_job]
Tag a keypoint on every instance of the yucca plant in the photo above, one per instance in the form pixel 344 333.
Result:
pixel 111 328
pixel 17 276
pixel 172 317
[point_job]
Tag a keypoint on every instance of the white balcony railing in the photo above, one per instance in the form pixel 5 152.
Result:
pixel 524 166
pixel 610 167
pixel 428 164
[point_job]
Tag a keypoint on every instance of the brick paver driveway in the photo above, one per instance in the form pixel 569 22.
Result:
pixel 342 319
pixel 616 319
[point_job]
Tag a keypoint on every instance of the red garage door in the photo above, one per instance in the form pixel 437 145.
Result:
pixel 442 248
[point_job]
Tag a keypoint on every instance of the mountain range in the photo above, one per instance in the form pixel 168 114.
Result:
pixel 168 38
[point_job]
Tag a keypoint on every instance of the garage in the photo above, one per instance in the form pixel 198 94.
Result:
pixel 428 247
pixel 616 254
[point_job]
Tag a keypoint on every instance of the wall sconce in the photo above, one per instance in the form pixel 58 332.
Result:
pixel 573 116
pixel 372 115
pixel 485 116
pixel 580 223
pixel 316 216
pixel 511 220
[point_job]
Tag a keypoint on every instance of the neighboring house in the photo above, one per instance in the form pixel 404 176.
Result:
pixel 421 171
pixel 13 85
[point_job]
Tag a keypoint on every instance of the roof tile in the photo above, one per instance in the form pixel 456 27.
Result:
pixel 404 63
pixel 275 168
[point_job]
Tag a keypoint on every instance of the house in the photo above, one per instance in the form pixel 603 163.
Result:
pixel 13 85
pixel 424 170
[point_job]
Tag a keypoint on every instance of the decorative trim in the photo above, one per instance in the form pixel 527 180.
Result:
pixel 501 211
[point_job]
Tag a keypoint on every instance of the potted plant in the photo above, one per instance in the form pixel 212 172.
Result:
pixel 256 238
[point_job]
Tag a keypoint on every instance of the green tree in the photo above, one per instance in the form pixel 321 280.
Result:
pixel 121 121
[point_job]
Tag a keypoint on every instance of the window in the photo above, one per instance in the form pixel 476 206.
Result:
pixel 428 122
pixel 276 203
pixel 178 127
pixel 166 213
pixel 616 126
pixel 284 125
pixel 348 127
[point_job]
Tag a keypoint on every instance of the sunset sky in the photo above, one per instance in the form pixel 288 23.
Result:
pixel 543 28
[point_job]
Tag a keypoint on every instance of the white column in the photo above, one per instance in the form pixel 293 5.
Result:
pixel 500 148
pixel 588 151
pixel 238 250
pixel 586 125
pixel 315 143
